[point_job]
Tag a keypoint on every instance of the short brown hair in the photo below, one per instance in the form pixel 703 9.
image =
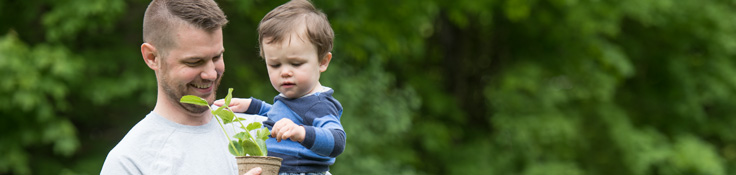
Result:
pixel 282 20
pixel 164 16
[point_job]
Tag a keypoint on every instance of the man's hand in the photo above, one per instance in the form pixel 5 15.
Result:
pixel 236 104
pixel 287 129
pixel 254 171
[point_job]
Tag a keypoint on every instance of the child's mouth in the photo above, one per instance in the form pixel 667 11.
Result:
pixel 288 85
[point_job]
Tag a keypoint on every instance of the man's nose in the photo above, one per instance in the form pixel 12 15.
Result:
pixel 209 72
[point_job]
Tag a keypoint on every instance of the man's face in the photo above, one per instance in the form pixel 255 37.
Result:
pixel 194 66
pixel 293 67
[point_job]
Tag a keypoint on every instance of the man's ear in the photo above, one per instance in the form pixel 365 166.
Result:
pixel 150 56
pixel 325 62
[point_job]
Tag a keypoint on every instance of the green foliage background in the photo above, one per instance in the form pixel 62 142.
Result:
pixel 525 87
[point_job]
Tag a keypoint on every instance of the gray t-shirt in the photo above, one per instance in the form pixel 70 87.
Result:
pixel 158 146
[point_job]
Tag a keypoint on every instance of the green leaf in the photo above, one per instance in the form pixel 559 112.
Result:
pixel 229 97
pixel 252 126
pixel 237 119
pixel 217 111
pixel 234 145
pixel 262 146
pixel 226 115
pixel 191 99
pixel 263 134
pixel 251 148
pixel 242 136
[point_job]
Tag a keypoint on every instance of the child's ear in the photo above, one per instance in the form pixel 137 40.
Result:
pixel 149 56
pixel 325 62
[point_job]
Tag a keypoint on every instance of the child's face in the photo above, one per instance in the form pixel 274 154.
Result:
pixel 293 67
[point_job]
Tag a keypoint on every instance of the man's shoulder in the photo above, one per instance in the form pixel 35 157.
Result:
pixel 120 161
pixel 136 147
pixel 123 158
pixel 144 132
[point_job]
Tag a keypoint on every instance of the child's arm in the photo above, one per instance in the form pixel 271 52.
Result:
pixel 323 132
pixel 236 104
pixel 325 137
pixel 258 107
pixel 247 105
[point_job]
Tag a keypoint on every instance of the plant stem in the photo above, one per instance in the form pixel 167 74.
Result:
pixel 226 135
pixel 244 154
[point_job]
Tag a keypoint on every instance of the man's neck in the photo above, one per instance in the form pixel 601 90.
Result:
pixel 172 111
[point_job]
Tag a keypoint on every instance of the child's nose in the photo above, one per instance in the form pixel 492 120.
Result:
pixel 286 72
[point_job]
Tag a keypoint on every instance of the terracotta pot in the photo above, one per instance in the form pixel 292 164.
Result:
pixel 270 165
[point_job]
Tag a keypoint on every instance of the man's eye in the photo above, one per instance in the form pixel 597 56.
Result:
pixel 193 63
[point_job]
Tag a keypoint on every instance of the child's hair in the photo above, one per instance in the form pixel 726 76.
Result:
pixel 284 19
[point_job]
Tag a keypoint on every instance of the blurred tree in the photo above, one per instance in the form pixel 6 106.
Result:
pixel 429 87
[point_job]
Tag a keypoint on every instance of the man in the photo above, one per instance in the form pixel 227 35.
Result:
pixel 183 46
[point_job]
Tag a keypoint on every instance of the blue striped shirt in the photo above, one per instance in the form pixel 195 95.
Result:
pixel 324 140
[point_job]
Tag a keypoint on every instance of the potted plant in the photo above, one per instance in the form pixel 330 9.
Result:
pixel 249 150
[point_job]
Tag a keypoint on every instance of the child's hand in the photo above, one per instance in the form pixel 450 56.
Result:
pixel 287 129
pixel 236 104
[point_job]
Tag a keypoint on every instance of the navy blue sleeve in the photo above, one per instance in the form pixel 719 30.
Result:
pixel 258 107
pixel 325 136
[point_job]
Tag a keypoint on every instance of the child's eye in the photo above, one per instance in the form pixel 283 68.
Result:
pixel 296 64
pixel 275 65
